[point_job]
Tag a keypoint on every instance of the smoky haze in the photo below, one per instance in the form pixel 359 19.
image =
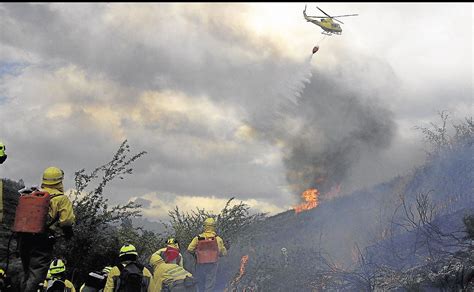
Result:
pixel 326 123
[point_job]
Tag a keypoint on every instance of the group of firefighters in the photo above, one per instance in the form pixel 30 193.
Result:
pixel 43 272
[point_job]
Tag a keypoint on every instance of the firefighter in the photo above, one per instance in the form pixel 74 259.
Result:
pixel 58 281
pixel 36 249
pixel 170 254
pixel 170 277
pixel 139 278
pixel 3 155
pixel 207 247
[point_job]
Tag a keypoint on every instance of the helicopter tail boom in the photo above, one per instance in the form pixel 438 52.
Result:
pixel 309 18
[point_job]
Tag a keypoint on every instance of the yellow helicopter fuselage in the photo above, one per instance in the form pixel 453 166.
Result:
pixel 328 25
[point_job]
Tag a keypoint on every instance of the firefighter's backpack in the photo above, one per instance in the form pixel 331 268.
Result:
pixel 131 278
pixel 207 250
pixel 32 212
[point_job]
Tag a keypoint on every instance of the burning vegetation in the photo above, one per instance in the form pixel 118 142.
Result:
pixel 310 198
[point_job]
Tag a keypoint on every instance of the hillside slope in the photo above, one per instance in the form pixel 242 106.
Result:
pixel 334 235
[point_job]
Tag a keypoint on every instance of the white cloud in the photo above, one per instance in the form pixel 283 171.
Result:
pixel 160 205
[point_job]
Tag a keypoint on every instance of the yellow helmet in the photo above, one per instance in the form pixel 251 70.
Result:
pixel 57 266
pixel 128 249
pixel 2 273
pixel 172 242
pixel 210 222
pixel 52 175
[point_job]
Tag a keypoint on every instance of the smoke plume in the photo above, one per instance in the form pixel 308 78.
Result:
pixel 324 125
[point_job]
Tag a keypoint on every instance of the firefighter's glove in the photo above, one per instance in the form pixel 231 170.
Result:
pixel 68 232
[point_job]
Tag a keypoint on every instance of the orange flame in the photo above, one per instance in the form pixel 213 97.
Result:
pixel 311 200
pixel 243 262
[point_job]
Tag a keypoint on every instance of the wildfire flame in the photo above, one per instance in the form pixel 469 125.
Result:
pixel 243 263
pixel 310 197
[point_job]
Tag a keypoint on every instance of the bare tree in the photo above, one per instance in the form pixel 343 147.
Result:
pixel 96 242
pixel 440 138
pixel 418 217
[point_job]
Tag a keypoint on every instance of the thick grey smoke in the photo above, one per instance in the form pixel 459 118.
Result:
pixel 326 124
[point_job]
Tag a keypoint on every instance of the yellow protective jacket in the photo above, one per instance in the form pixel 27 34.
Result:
pixel 164 273
pixel 59 207
pixel 162 250
pixel 209 232
pixel 115 273
pixel 68 284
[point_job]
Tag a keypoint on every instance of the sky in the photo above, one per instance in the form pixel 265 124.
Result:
pixel 226 98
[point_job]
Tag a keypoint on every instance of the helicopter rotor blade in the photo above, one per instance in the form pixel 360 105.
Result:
pixel 337 20
pixel 345 15
pixel 324 12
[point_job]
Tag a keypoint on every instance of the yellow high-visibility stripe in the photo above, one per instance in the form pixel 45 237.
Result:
pixel 177 272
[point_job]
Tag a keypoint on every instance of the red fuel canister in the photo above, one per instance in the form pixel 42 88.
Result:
pixel 207 251
pixel 32 212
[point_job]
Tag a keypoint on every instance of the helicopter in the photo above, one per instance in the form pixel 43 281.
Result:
pixel 326 23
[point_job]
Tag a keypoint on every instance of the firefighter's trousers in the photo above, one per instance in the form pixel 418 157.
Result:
pixel 36 252
pixel 206 276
